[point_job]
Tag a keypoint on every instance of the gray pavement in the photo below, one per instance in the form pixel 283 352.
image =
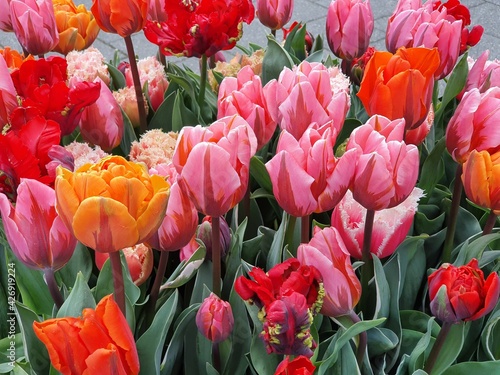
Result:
pixel 313 13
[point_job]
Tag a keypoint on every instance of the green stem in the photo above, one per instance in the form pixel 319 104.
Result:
pixel 363 340
pixel 273 33
pixel 290 229
pixel 116 268
pixel 490 223
pixel 203 81
pixel 216 256
pixel 436 348
pixel 453 216
pixel 137 84
pixel 304 229
pixel 50 280
pixel 155 289
pixel 245 206
pixel 367 268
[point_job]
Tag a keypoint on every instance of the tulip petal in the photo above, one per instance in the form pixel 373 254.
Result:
pixel 104 361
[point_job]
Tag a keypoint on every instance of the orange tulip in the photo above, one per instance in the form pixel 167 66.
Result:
pixel 99 342
pixel 112 204
pixel 120 17
pixel 13 58
pixel 77 26
pixel 481 179
pixel 400 85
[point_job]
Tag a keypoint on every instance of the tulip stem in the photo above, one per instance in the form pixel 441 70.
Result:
pixel 436 348
pixel 490 223
pixel 137 84
pixel 216 356
pixel 363 340
pixel 163 60
pixel 290 229
pixel 304 229
pixel 203 81
pixel 216 255
pixel 116 267
pixel 155 289
pixel 50 280
pixel 367 268
pixel 453 216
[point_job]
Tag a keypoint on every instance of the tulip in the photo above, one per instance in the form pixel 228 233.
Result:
pixel 461 293
pixel 88 65
pixel 400 85
pixel 127 100
pixel 101 123
pixel 97 201
pixel 77 26
pixel 101 342
pixel 5 21
pixel 8 99
pixel 193 29
pixel 244 95
pixel 326 252
pixel 305 174
pixel 474 125
pixel 483 74
pixel 308 39
pixel 156 11
pixel 213 163
pixel 481 179
pixel 386 171
pixel 13 58
pixel 349 26
pixel 275 13
pixel 118 17
pixel 300 365
pixel 309 93
pixel 214 319
pixel 34 230
pixel 34 24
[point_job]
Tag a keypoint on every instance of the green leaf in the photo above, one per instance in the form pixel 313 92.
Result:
pixel 129 135
pixel 381 340
pixel 474 249
pixel 275 60
pixel 274 256
pixel 259 172
pixel 182 115
pixel 479 368
pixel 162 119
pixel 295 42
pixel 186 269
pixel 80 297
pixel 417 355
pixel 80 262
pixel 203 279
pixel 432 170
pixel 118 79
pixel 264 364
pixel 450 349
pixel 413 266
pixel 490 338
pixel 383 292
pixel 233 258
pixel 150 344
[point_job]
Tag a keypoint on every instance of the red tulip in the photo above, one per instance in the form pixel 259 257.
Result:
pixel 300 365
pixel 196 28
pixel 214 318
pixel 461 293
pixel 98 342
pixel 120 17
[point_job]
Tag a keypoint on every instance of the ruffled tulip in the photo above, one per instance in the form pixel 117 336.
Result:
pixel 101 123
pixel 461 293
pixel 88 65
pixel 275 13
pixel 474 125
pixel 214 163
pixel 77 26
pixel 127 100
pixel 349 27
pixel 483 74
pixel 300 365
pixel 8 99
pixel 481 179
pixel 5 21
pixel 400 85
pixel 326 252
pixel 305 174
pixel 310 93
pixel 118 17
pixel 214 319
pixel 101 342
pixel 386 170
pixel 243 95
pixel 36 233
pixel 155 149
pixel 34 24
pixel 98 201
pixel 196 28
pixel 390 226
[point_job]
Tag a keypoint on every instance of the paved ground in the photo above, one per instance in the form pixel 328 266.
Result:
pixel 313 13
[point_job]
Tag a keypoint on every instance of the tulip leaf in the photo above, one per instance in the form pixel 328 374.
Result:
pixel 418 321
pixel 11 350
pixel 490 338
pixel 259 172
pixel 412 262
pixel 474 249
pixel 275 59
pixel 211 370
pixel 80 262
pixel 80 297
pixel 383 294
pixel 274 256
pixel 381 340
pixel 295 42
pixel 263 363
pixel 233 259
pixel 150 344
pixel 416 360
pixel 432 170
pixel 346 364
pixel 186 269
pixel 182 115
pixel 450 349
pixel 162 119
pixel 128 134
pixel 467 368
pixel 117 77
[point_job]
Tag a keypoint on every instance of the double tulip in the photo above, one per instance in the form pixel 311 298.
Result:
pixel 300 365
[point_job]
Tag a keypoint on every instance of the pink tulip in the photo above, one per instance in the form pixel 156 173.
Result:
pixel 474 125
pixel 215 319
pixel 390 226
pixel 156 10
pixel 101 123
pixel 417 25
pixel 36 234
pixel 305 174
pixel 274 13
pixel 214 163
pixel 417 135
pixel 309 93
pixel 349 26
pixel 243 95
pixel 8 99
pixel 326 251
pixel 5 21
pixel 34 24
pixel 386 170
pixel 483 74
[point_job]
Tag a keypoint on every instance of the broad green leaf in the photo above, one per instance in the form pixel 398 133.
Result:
pixel 129 135
pixel 416 360
pixel 80 298
pixel 186 269
pixel 264 364
pixel 118 79
pixel 450 349
pixel 275 60
pixel 162 119
pixel 233 258
pixel 479 368
pixel 475 248
pixel 381 340
pixel 432 170
pixel 259 173
pixel 274 256
pixel 383 295
pixel 80 262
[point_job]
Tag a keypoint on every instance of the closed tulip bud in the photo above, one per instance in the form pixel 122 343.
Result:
pixel 214 319
pixel 204 233
pixel 127 100
pixel 119 17
pixel 274 13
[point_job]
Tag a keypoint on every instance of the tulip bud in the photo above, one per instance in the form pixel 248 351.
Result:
pixel 127 99
pixel 274 14
pixel 215 319
pixel 299 365
pixel 204 233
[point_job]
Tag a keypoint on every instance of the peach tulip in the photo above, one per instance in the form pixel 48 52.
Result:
pixel 474 125
pixel 400 85
pixel 214 163
pixel 120 17
pixel 274 13
pixel 112 204
pixel 326 251
pixel 34 230
pixel 349 26
pixel 305 174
